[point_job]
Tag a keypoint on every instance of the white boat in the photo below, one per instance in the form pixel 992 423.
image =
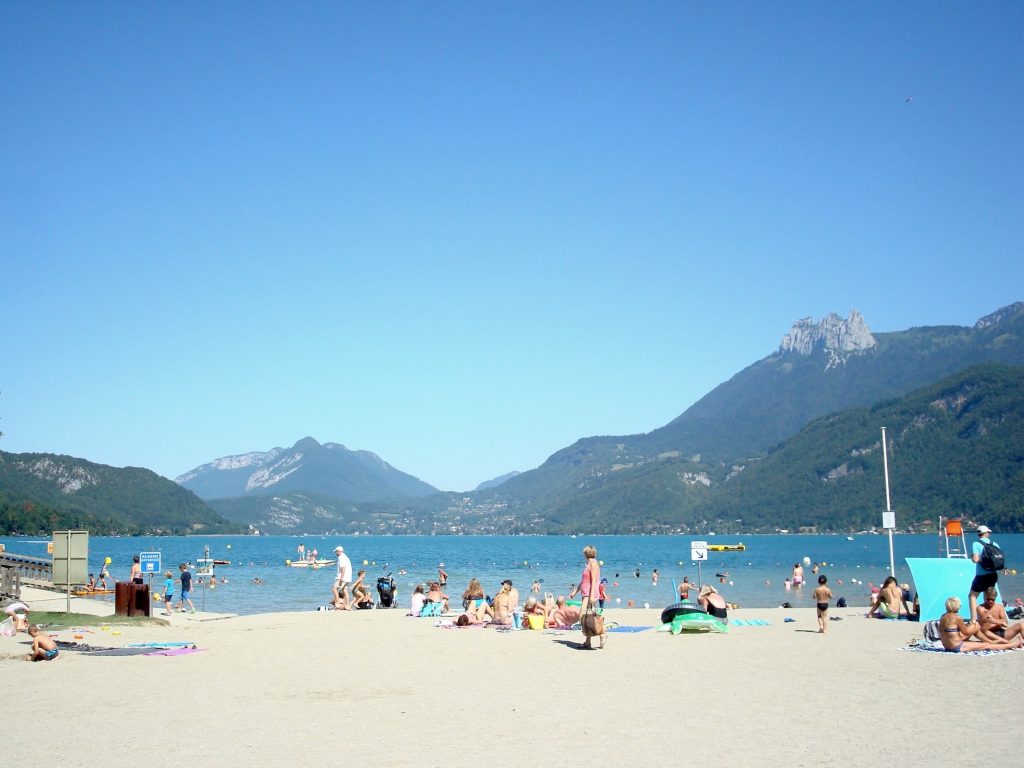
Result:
pixel 308 563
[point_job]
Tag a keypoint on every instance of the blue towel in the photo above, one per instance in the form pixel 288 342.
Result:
pixel 629 629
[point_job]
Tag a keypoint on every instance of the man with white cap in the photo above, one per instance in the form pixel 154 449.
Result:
pixel 342 579
pixel 986 571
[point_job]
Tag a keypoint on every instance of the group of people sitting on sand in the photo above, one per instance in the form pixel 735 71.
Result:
pixel 991 632
pixel 503 609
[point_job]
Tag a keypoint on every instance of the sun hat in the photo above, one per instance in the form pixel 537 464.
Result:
pixel 339 549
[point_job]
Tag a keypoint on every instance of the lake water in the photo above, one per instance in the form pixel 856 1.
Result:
pixel 554 560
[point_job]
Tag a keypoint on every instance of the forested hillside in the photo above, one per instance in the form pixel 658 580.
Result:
pixel 955 449
pixel 41 492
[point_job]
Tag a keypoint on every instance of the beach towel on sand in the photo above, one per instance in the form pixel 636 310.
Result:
pixel 929 648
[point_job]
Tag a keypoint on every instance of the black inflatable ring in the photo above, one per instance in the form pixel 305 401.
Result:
pixel 679 609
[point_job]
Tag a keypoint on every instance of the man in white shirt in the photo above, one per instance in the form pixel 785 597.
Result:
pixel 342 579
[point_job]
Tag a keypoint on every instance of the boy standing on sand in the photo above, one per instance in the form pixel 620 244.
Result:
pixel 822 595
pixel 186 589
pixel 168 592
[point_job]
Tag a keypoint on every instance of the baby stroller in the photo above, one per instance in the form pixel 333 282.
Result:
pixel 388 592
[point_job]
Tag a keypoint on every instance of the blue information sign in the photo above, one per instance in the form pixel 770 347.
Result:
pixel 150 562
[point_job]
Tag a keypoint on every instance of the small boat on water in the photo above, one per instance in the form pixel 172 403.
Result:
pixel 222 562
pixel 741 547
pixel 308 563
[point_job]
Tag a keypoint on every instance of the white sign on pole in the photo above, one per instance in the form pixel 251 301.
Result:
pixel 889 520
pixel 698 550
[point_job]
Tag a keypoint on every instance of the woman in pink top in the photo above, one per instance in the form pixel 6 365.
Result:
pixel 590 584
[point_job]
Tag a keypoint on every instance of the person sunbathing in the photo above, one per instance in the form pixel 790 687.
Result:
pixel 503 605
pixel 995 625
pixel 564 616
pixel 478 612
pixel 417 600
pixel 435 595
pixel 474 591
pixel 889 601
pixel 956 635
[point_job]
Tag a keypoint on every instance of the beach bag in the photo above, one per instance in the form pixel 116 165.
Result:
pixel 7 627
pixel 841 602
pixel 536 621
pixel 991 558
pixel 592 623
pixel 931 631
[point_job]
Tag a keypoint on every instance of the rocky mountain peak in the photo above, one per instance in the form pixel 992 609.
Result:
pixel 832 333
pixel 1000 315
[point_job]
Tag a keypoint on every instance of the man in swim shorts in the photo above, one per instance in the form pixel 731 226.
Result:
pixel 995 625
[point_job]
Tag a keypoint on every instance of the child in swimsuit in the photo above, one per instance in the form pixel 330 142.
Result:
pixel 43 646
pixel 822 595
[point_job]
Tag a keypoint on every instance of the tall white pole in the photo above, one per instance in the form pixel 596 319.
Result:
pixel 888 505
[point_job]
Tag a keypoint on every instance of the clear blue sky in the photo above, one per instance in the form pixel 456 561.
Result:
pixel 463 236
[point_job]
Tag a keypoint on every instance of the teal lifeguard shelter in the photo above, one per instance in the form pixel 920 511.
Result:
pixel 948 575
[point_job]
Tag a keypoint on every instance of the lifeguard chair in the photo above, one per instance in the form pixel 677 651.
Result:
pixel 951 530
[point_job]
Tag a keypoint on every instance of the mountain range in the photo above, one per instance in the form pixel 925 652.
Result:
pixel 787 442
pixel 667 479
pixel 329 469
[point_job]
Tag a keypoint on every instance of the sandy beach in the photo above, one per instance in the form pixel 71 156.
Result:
pixel 390 690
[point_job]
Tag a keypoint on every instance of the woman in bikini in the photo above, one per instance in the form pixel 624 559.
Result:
pixel 955 634
pixel 474 592
pixel 502 606
pixel 437 596
pixel 888 601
